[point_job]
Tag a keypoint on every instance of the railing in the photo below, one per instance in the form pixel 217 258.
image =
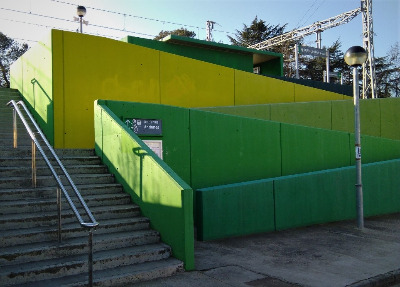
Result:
pixel 60 186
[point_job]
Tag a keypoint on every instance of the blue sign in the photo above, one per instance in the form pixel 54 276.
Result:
pixel 145 126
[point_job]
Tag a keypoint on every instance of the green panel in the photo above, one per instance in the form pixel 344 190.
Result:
pixel 175 126
pixel 343 116
pixel 375 149
pixel 314 198
pixel 235 210
pixel 307 149
pixel 370 117
pixel 162 196
pixel 273 67
pixel 262 112
pixel 313 114
pixel 381 186
pixel 390 118
pixel 229 149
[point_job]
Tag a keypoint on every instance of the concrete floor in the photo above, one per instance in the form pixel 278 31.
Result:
pixel 336 254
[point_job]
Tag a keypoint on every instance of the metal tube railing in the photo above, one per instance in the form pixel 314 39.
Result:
pixel 35 144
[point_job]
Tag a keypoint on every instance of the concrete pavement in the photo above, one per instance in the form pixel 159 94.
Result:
pixel 336 254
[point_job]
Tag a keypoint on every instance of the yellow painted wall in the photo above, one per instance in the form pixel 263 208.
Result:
pixel 76 69
pixel 97 68
pixel 253 89
pixel 190 83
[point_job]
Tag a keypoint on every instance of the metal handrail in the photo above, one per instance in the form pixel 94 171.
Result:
pixel 35 143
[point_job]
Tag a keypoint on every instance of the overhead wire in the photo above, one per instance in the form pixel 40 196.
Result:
pixel 71 21
pixel 140 17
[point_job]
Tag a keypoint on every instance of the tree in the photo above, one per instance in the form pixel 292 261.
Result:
pixel 178 32
pixel 257 32
pixel 10 51
pixel 387 71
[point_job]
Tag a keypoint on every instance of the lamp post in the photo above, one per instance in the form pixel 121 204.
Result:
pixel 81 11
pixel 355 56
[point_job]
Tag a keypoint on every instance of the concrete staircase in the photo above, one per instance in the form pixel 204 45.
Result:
pixel 125 249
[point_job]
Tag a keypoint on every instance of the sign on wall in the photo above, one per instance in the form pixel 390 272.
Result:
pixel 156 146
pixel 151 127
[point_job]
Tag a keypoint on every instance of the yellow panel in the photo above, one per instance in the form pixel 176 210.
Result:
pixel 253 89
pixel 100 68
pixel 190 83
pixel 309 94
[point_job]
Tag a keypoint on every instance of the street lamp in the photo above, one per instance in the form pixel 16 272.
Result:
pixel 355 56
pixel 81 11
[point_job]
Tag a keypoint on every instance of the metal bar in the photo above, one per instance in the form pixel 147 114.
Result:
pixel 90 263
pixel 15 131
pixel 33 164
pixel 357 137
pixel 59 213
pixel 78 195
pixel 327 66
pixel 61 187
pixel 296 56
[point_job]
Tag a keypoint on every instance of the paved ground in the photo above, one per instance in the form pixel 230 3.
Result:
pixel 335 254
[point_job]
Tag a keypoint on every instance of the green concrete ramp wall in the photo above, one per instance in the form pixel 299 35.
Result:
pixel 208 149
pixel 296 201
pixel 379 117
pixel 161 194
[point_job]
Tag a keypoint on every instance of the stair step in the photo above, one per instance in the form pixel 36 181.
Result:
pixel 71 265
pixel 45 171
pixel 69 230
pixel 126 250
pixel 50 218
pixel 24 182
pixel 119 276
pixel 49 204
pixel 53 249
pixel 67 161
pixel 46 192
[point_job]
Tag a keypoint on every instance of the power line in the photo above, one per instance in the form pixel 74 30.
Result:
pixel 139 17
pixel 41 25
pixel 71 21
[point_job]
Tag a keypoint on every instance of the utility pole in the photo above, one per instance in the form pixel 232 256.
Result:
pixel 369 82
pixel 210 27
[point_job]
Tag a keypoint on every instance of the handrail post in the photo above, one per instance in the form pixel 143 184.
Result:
pixel 15 133
pixel 33 164
pixel 59 213
pixel 90 263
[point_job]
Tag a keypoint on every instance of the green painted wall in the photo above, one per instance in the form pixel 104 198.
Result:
pixel 379 117
pixel 381 186
pixel 235 210
pixel 209 149
pixel 161 194
pixel 306 149
pixel 175 126
pixel 229 149
pixel 296 201
pixel 312 198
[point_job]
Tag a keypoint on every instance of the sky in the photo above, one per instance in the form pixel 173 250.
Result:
pixel 31 20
